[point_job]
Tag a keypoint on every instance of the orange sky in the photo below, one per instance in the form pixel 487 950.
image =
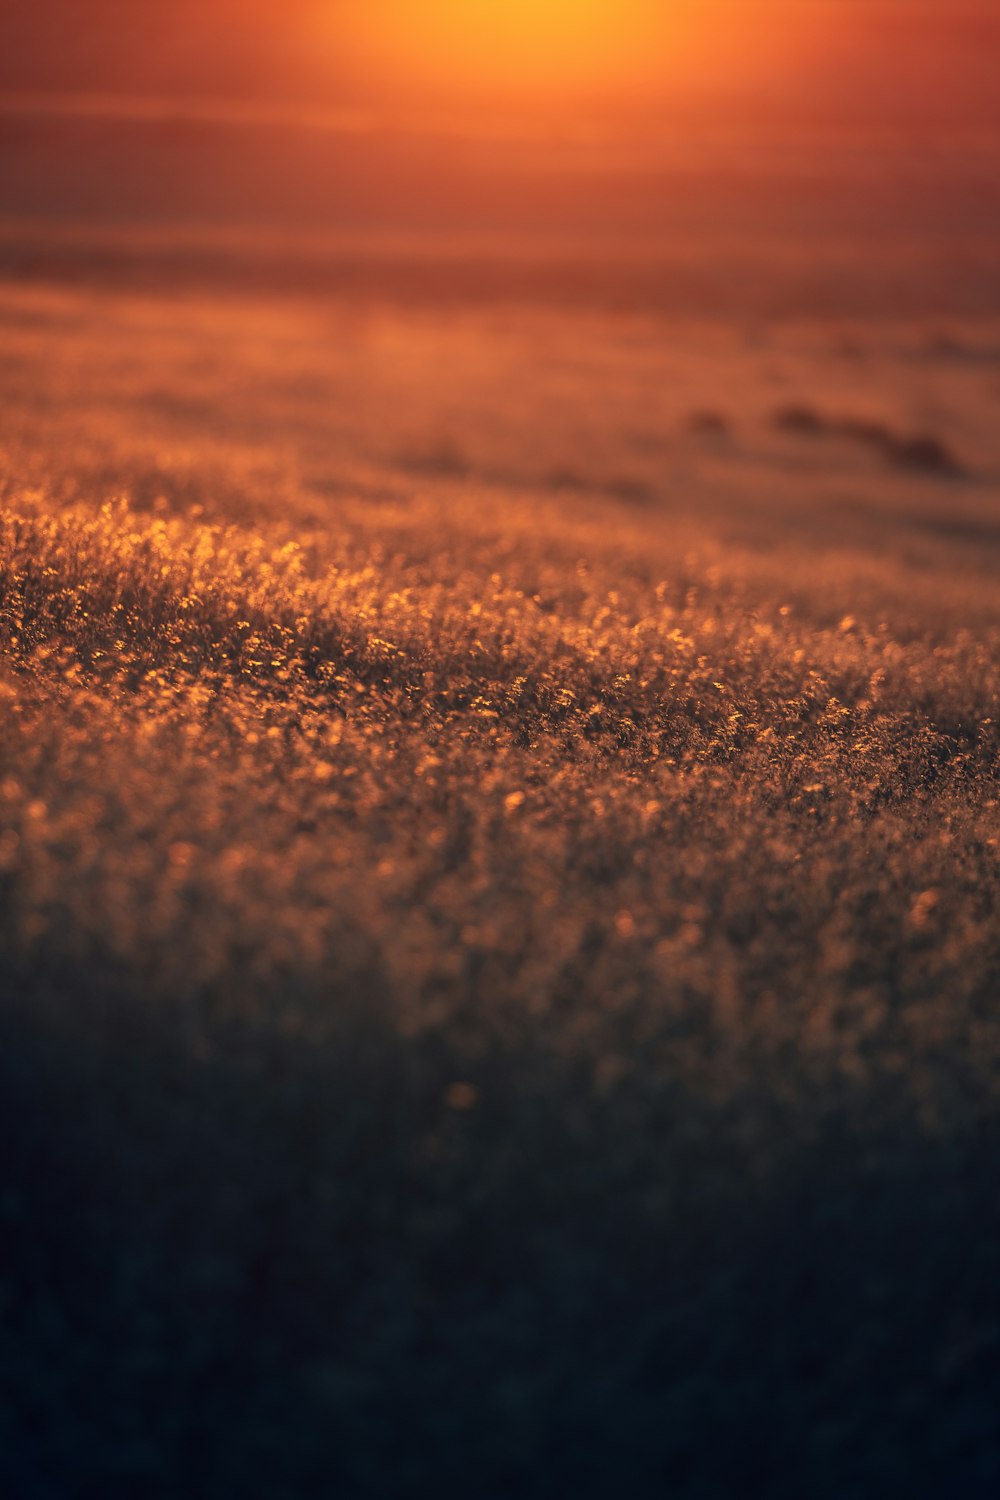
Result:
pixel 852 57
pixel 838 61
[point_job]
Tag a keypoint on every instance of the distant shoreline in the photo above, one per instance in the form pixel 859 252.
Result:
pixel 709 280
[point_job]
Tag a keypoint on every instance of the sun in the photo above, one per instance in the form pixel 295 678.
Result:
pixel 485 47
pixel 571 54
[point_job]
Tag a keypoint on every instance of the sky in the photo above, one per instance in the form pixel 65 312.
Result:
pixel 842 64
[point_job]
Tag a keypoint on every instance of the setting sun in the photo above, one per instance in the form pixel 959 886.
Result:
pixel 551 47
pixel 557 51
pixel 556 43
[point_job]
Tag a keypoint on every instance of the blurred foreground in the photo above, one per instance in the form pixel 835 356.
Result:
pixel 499 854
